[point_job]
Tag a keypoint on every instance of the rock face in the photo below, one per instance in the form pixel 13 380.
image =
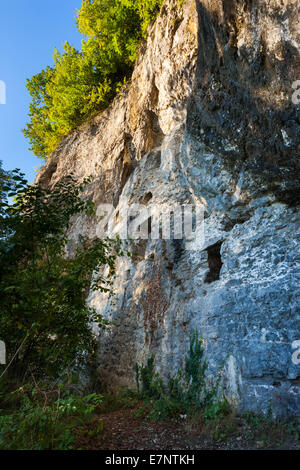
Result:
pixel 209 119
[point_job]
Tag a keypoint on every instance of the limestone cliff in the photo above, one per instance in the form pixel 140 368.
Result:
pixel 208 118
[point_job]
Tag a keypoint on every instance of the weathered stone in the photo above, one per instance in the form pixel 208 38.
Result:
pixel 208 118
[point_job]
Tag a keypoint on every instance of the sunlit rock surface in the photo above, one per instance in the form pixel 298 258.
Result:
pixel 209 120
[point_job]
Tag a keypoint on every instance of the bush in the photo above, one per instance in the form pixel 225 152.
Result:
pixel 186 393
pixel 42 423
pixel 84 82
pixel 44 319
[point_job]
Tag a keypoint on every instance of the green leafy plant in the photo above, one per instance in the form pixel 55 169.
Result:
pixel 44 319
pixel 39 424
pixel 82 83
pixel 185 393
pixel 122 399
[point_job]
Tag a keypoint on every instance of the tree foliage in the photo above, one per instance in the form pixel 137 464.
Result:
pixel 84 82
pixel 44 319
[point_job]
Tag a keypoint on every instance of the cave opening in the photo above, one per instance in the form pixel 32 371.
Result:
pixel 214 262
pixel 147 198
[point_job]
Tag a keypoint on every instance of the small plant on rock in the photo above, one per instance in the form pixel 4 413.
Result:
pixel 187 393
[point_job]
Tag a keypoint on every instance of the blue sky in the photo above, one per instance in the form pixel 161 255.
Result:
pixel 29 32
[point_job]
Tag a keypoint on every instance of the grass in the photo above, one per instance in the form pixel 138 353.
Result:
pixel 34 419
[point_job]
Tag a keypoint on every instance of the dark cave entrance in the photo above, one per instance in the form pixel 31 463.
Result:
pixel 214 262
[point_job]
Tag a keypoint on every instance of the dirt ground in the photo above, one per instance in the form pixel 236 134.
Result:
pixel 123 430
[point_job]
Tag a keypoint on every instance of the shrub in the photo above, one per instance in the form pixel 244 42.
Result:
pixel 186 393
pixel 44 319
pixel 39 424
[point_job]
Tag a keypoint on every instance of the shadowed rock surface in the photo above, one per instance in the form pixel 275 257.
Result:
pixel 208 120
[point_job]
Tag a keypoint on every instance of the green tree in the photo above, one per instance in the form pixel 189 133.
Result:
pixel 82 83
pixel 44 319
